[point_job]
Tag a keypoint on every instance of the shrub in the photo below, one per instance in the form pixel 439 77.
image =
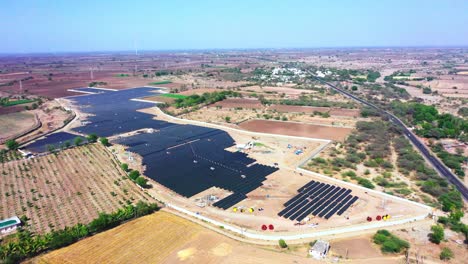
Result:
pixel 437 234
pixel 12 144
pixel 124 167
pixel 366 183
pixel 78 141
pixel 451 200
pixel 446 254
pixel 134 174
pixel 389 243
pixel 104 141
pixel 142 181
pixel 92 138
pixel 282 243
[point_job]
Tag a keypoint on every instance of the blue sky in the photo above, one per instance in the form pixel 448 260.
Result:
pixel 113 25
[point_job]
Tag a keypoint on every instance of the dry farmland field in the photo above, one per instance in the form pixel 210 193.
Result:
pixel 164 238
pixel 239 103
pixel 311 109
pixel 296 129
pixel 15 123
pixel 66 188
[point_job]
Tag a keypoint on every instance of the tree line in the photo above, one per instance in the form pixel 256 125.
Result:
pixel 25 244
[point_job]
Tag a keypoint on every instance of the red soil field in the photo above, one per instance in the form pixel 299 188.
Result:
pixel 296 129
pixel 238 102
pixel 311 109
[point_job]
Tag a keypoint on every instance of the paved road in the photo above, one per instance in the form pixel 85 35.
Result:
pixel 436 163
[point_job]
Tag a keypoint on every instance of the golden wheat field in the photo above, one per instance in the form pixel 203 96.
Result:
pixel 165 238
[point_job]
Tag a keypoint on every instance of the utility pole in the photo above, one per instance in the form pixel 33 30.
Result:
pixel 21 86
pixel 91 73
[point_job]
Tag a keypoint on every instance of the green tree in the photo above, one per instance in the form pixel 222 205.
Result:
pixel 92 138
pixel 282 243
pixel 446 254
pixel 228 119
pixel 142 181
pixel 50 148
pixel 124 167
pixel 134 174
pixel 12 144
pixel 78 141
pixel 437 234
pixel 66 144
pixel 104 141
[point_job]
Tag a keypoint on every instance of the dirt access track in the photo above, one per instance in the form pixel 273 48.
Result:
pixel 297 129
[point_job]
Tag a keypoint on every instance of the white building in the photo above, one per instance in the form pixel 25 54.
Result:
pixel 320 249
pixel 8 225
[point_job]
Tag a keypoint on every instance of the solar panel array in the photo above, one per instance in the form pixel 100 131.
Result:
pixel 57 140
pixel 318 199
pixel 185 158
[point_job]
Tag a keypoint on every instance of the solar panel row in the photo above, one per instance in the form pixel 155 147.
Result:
pixel 318 199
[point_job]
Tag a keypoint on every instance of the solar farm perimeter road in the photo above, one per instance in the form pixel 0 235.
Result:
pixel 437 164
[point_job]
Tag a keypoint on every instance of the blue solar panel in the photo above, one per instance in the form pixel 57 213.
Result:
pixel 318 199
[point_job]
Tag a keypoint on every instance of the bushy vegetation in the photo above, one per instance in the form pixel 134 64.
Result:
pixel 104 141
pixel 390 243
pixel 282 243
pixel 205 98
pixel 5 101
pixel 26 244
pixel 367 111
pixel 429 123
pixel 94 84
pixel 175 96
pixel 11 144
pixel 463 111
pixel 446 254
pixel 453 221
pixel 160 82
pixel 410 161
pixel 92 138
pixel 311 100
pixel 453 161
pixel 437 234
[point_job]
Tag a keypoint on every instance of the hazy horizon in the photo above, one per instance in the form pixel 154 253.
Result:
pixel 152 26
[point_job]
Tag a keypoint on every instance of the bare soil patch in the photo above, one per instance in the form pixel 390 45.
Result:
pixel 311 109
pixel 199 91
pixel 239 103
pixel 355 248
pixel 15 123
pixel 296 129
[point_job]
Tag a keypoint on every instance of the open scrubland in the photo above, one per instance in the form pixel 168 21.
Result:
pixel 62 189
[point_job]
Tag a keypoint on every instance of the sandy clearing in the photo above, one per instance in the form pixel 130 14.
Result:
pixel 296 129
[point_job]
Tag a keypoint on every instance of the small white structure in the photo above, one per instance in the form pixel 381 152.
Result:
pixel 9 225
pixel 320 249
pixel 249 145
